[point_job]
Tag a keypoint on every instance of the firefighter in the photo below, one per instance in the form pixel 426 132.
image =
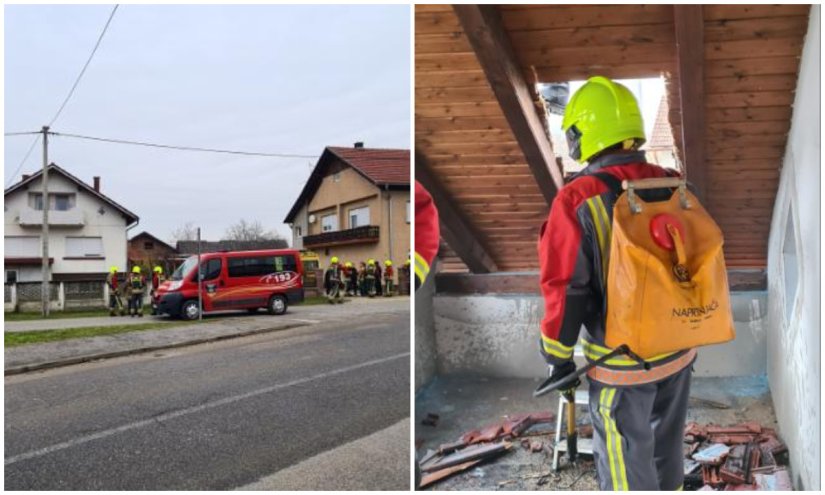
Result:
pixel 638 415
pixel 136 287
pixel 388 278
pixel 115 303
pixel 379 286
pixel 369 278
pixel 352 279
pixel 333 283
pixel 157 279
pixel 362 279
pixel 404 278
pixel 426 233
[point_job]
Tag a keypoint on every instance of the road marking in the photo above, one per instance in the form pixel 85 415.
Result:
pixel 312 322
pixel 192 410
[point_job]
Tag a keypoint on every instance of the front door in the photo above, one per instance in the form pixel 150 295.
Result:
pixel 213 284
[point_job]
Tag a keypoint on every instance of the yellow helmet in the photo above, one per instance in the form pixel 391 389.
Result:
pixel 135 269
pixel 348 264
pixel 334 259
pixel 388 263
pixel 371 261
pixel 113 269
pixel 158 269
pixel 407 262
pixel 601 114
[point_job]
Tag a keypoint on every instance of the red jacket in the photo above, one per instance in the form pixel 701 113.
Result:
pixel 573 251
pixel 426 233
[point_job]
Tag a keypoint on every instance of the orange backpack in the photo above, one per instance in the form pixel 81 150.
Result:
pixel 667 285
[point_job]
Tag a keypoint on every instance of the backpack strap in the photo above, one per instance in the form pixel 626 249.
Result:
pixel 610 180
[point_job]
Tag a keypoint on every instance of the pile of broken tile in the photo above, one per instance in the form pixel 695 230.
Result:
pixel 742 457
pixel 477 446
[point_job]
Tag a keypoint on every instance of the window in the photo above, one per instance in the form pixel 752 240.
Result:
pixel 84 247
pixel 298 231
pixel 148 245
pixel 408 212
pixel 57 201
pixel 22 246
pixel 11 276
pixel 261 265
pixel 329 223
pixel 211 269
pixel 286 264
pixel 358 217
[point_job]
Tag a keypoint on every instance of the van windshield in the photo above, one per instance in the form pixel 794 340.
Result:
pixel 185 268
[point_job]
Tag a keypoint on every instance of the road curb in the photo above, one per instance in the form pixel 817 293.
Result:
pixel 27 368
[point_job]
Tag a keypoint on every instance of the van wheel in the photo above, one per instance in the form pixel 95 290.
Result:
pixel 190 310
pixel 277 305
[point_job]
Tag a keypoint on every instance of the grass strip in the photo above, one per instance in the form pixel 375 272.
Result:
pixel 55 315
pixel 14 339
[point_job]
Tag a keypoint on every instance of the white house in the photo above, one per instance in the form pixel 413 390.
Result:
pixel 87 230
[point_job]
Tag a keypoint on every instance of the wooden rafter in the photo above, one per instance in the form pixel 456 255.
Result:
pixel 690 52
pixel 488 37
pixel 455 229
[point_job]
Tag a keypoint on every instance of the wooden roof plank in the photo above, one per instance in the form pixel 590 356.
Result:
pixel 455 229
pixel 482 26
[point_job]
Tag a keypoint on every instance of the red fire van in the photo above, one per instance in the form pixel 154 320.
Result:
pixel 250 280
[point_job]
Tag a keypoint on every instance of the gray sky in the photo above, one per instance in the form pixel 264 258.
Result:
pixel 277 79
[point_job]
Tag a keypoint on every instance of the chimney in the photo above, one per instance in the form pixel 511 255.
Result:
pixel 97 183
pixel 359 145
pixel 26 176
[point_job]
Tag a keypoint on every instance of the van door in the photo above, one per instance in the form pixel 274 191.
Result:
pixel 214 286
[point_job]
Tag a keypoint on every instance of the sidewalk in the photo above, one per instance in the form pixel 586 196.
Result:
pixel 73 351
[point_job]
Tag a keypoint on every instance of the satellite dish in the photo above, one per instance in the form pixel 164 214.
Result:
pixel 312 219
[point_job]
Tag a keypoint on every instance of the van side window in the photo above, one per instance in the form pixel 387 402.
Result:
pixel 285 264
pixel 212 269
pixel 251 267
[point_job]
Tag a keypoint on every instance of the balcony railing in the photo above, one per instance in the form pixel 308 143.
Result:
pixel 29 217
pixel 358 235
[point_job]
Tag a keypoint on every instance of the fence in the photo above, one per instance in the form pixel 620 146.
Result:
pixel 26 296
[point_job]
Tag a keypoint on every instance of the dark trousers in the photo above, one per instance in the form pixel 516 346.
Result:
pixel 638 433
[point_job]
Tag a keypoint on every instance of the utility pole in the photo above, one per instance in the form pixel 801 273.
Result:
pixel 200 279
pixel 44 286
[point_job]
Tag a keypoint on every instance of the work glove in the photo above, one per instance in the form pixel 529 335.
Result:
pixel 562 370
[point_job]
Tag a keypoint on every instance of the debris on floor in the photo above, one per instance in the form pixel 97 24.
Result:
pixel 430 420
pixel 735 458
pixel 478 445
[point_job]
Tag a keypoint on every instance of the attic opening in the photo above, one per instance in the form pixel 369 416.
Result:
pixel 650 92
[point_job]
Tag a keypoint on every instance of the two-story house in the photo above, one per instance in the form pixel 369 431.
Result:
pixel 87 230
pixel 356 206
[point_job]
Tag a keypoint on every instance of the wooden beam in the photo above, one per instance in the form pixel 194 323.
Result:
pixel 690 55
pixel 455 229
pixel 488 37
pixel 528 282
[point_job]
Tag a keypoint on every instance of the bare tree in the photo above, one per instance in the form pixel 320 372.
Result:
pixel 249 231
pixel 186 232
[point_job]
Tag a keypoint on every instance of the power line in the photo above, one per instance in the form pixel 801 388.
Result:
pixel 182 148
pixel 21 133
pixel 22 162
pixel 85 66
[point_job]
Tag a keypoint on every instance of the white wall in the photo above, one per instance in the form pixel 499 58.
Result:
pixel 111 226
pixel 794 322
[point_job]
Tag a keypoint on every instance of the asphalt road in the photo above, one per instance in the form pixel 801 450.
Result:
pixel 217 416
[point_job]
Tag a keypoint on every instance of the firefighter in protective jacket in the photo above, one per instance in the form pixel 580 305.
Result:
pixel 426 233
pixel 389 281
pixel 136 287
pixel 333 283
pixel 115 303
pixel 638 415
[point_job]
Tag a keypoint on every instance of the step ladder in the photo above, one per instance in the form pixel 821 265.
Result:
pixel 585 445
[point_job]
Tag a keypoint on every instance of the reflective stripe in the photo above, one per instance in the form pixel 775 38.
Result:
pixel 601 234
pixel 681 488
pixel 594 352
pixel 615 455
pixel 556 348
pixel 608 229
pixel 637 377
pixel 422 268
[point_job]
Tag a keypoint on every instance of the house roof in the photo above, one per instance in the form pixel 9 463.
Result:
pixel 155 239
pixel 383 167
pixel 661 137
pixel 130 217
pixel 191 247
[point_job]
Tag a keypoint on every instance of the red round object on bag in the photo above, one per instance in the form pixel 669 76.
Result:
pixel 659 233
